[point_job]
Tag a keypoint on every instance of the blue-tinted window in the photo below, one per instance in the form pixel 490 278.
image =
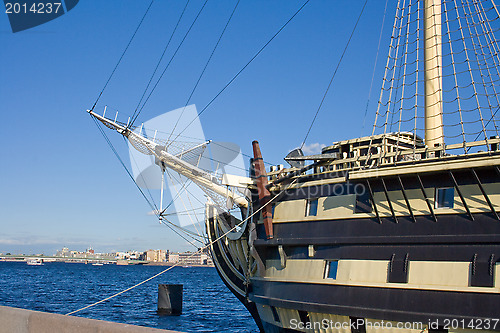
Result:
pixel 312 207
pixel 331 269
pixel 445 197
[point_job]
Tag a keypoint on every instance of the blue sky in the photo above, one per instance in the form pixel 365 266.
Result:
pixel 60 183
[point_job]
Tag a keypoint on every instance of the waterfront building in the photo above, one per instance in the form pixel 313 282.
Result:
pixel 156 255
pixel 173 257
pixel 63 253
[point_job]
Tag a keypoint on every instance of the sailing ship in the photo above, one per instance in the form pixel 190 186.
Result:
pixel 398 227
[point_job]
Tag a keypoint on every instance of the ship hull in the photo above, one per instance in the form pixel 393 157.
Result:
pixel 433 270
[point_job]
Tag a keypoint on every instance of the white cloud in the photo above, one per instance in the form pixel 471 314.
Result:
pixel 26 241
pixel 10 242
pixel 313 148
pixel 33 240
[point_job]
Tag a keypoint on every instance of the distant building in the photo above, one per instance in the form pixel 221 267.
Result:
pixel 129 255
pixel 183 258
pixel 173 257
pixel 194 258
pixel 121 256
pixel 190 258
pixel 206 259
pixel 156 255
pixel 134 255
pixel 63 253
pixel 108 256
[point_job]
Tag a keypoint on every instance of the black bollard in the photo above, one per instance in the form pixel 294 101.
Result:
pixel 170 299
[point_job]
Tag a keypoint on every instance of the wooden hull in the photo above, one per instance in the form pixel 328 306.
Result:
pixel 437 267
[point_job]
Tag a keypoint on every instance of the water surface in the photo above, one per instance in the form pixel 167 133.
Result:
pixel 208 306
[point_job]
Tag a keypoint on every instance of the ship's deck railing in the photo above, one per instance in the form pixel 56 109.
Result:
pixel 339 167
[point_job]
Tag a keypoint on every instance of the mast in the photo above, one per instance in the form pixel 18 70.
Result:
pixel 433 77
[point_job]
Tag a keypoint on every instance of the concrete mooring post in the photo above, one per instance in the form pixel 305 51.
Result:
pixel 170 299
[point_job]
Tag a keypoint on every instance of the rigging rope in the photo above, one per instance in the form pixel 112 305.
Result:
pixel 180 235
pixel 187 231
pixel 161 58
pixel 375 65
pixel 153 206
pixel 123 54
pixel 132 159
pixel 200 250
pixel 199 139
pixel 188 196
pixel 496 9
pixel 192 235
pixel 470 73
pixel 244 67
pixel 492 117
pixel 168 64
pixel 185 212
pixel 205 68
pixel 333 76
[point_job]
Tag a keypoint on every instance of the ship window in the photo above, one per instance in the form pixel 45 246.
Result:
pixel 444 197
pixel 304 316
pixel 312 207
pixel 275 314
pixel 331 269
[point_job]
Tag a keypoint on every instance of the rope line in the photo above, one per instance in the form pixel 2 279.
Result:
pixel 161 58
pixel 172 225
pixel 123 54
pixel 182 200
pixel 244 67
pixel 205 68
pixel 153 206
pixel 200 250
pixel 132 159
pixel 169 62
pixel 375 65
pixel 333 76
pixel 468 68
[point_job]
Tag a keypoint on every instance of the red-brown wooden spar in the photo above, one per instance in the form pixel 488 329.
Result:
pixel 264 195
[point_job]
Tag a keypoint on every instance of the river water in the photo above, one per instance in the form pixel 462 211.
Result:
pixel 208 306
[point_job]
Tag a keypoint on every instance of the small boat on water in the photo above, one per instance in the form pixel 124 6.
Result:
pixel 35 262
pixel 98 264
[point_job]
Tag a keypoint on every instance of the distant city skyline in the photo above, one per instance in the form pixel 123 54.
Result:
pixel 76 249
pixel 150 256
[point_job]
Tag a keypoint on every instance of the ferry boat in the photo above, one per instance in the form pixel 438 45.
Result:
pixel 401 227
pixel 34 262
